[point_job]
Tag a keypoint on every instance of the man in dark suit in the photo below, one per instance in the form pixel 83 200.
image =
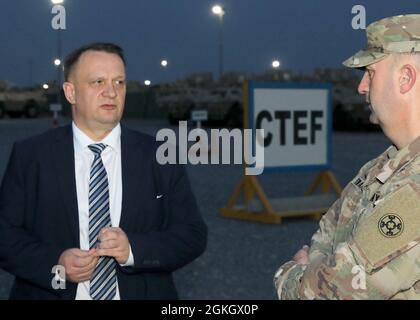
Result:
pixel 90 197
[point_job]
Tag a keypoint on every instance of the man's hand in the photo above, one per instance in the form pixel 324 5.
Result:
pixel 79 264
pixel 113 242
pixel 301 257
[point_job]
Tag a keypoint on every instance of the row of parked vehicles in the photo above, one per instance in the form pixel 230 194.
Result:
pixel 223 105
pixel 19 102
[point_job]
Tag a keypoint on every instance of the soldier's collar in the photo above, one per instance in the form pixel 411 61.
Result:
pixel 398 159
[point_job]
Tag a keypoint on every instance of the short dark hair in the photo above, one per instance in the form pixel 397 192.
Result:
pixel 74 56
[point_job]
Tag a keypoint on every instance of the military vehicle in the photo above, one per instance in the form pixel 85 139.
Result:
pixel 224 105
pixel 17 102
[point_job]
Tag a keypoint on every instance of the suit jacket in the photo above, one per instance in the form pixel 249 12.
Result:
pixel 39 217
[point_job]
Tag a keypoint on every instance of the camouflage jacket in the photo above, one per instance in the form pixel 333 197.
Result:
pixel 366 246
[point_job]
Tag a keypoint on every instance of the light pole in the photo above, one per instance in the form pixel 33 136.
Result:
pixel 276 65
pixel 57 63
pixel 57 107
pixel 164 64
pixel 219 11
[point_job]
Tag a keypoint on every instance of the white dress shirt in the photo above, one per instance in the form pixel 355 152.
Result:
pixel 111 158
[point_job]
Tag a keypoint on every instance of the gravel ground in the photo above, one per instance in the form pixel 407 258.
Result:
pixel 241 257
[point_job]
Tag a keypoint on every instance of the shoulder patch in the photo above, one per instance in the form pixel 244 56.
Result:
pixel 393 227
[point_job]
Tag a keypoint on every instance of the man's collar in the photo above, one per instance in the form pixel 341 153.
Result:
pixel 112 139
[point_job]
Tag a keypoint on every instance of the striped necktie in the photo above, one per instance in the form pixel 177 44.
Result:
pixel 103 281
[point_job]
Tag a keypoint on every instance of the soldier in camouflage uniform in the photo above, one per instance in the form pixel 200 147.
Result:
pixel 367 245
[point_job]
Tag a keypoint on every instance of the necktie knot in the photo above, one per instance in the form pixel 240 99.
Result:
pixel 97 148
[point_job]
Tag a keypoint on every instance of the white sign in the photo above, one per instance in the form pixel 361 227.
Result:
pixel 199 115
pixel 296 122
pixel 56 107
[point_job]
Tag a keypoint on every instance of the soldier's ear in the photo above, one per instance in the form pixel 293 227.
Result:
pixel 408 77
pixel 69 92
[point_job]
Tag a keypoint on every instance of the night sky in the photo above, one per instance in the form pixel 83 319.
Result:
pixel 303 35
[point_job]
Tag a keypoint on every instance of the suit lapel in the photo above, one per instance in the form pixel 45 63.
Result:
pixel 133 171
pixel 63 163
